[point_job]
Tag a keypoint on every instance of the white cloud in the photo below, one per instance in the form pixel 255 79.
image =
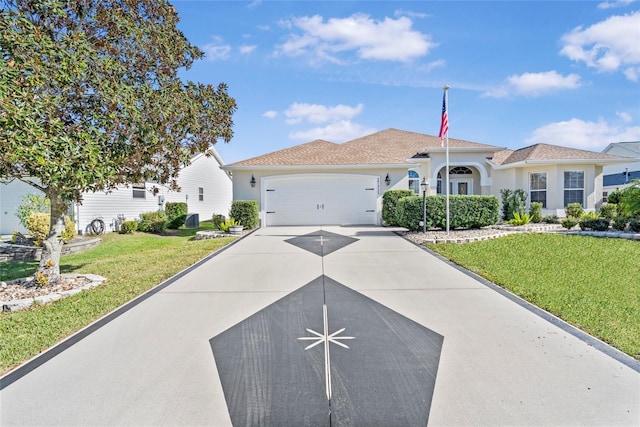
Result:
pixel 340 131
pixel 624 116
pixel 385 40
pixel 432 65
pixel 316 113
pixel 609 45
pixel 535 84
pixel 216 50
pixel 409 13
pixel 246 49
pixel 614 4
pixel 584 135
pixel 271 114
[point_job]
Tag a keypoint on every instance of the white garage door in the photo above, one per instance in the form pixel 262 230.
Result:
pixel 320 199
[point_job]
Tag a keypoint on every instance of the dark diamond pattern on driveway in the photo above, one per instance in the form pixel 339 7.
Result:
pixel 321 242
pixel 384 376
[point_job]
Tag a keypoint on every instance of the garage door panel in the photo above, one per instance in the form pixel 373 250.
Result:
pixel 321 199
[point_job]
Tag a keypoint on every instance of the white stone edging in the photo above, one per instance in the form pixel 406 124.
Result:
pixel 23 304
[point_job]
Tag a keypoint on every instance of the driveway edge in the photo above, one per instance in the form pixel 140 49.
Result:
pixel 590 340
pixel 28 366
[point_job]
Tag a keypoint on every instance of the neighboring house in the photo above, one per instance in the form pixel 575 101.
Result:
pixel 618 176
pixel 205 188
pixel 321 182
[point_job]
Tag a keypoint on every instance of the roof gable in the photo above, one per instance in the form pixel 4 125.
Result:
pixel 547 152
pixel 633 147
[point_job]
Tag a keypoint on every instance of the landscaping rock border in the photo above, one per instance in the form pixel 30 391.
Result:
pixel 486 233
pixel 14 252
pixel 24 303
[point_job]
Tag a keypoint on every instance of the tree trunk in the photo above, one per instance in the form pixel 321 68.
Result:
pixel 48 272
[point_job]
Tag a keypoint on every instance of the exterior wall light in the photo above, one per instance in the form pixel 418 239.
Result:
pixel 252 181
pixel 387 180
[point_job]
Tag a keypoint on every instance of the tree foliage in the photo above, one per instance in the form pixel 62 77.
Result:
pixel 90 98
pixel 630 199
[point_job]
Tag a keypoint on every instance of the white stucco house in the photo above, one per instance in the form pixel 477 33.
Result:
pixel 205 188
pixel 321 182
pixel 619 175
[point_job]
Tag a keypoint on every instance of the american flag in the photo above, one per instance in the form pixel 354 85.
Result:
pixel 444 125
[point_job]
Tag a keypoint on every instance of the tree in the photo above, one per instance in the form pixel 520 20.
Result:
pixel 630 199
pixel 90 98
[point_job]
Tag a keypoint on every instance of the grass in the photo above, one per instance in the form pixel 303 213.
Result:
pixel 592 283
pixel 132 264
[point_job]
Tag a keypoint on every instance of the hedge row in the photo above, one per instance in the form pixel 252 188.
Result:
pixel 464 211
pixel 389 205
pixel 245 212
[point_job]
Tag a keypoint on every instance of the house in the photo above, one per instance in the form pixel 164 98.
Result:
pixel 321 182
pixel 205 188
pixel 619 176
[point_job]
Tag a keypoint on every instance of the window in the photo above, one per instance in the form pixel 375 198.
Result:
pixel 538 188
pixel 439 185
pixel 574 187
pixel 460 170
pixel 414 182
pixel 139 191
pixel 201 194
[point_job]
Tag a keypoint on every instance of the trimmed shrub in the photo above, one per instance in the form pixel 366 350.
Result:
pixel 70 231
pixel 597 224
pixel 409 212
pixel 550 219
pixel 620 223
pixel 38 226
pixel 609 211
pixel 465 211
pixel 634 225
pixel 128 227
pixel 245 212
pixel 390 200
pixel 153 222
pixel 32 203
pixel 176 214
pixel 569 222
pixel 535 212
pixel 614 197
pixel 217 219
pixel 574 210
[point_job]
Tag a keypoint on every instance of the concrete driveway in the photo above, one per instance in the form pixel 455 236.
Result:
pixel 326 326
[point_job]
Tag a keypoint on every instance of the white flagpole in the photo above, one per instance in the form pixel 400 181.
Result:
pixel 446 94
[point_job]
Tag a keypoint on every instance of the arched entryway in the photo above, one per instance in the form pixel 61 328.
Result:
pixel 463 180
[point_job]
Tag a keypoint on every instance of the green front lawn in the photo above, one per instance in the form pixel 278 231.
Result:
pixel 132 264
pixel 592 283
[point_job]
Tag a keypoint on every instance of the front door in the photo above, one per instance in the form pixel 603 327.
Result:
pixel 461 187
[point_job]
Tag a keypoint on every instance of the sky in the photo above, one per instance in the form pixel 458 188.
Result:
pixel 520 72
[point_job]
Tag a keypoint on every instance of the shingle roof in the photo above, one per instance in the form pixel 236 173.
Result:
pixel 319 152
pixel 633 146
pixel 394 142
pixel 547 152
pixel 391 146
